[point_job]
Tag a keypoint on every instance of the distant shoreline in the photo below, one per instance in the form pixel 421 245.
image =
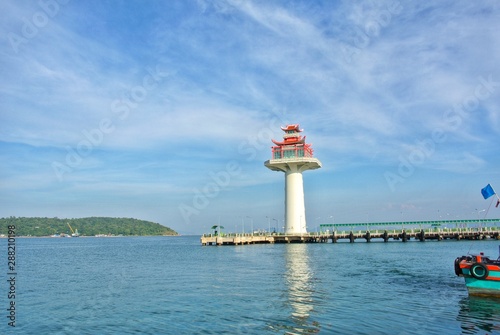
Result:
pixel 114 236
pixel 89 226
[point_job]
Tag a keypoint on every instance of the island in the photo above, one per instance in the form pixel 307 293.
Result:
pixel 90 226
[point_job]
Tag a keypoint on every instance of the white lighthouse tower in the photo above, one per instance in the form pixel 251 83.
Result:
pixel 293 156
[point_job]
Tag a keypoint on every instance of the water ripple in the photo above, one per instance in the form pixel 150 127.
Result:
pixel 175 286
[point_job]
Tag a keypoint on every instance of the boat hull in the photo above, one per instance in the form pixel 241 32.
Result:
pixel 482 275
pixel 481 287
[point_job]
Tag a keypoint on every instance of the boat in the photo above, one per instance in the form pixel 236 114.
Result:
pixel 481 274
pixel 74 233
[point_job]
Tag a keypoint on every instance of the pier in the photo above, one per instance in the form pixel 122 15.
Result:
pixel 479 229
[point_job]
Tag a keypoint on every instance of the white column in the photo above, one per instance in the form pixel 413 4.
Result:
pixel 295 214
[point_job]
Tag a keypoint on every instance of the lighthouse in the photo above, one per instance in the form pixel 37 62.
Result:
pixel 293 156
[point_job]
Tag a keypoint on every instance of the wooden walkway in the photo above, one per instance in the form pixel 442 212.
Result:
pixel 351 236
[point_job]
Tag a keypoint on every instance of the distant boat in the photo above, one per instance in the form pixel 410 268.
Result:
pixel 74 233
pixel 481 274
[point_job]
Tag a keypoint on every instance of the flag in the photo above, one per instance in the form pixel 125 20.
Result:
pixel 487 191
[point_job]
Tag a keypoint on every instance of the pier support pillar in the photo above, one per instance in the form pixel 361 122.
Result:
pixel 421 236
pixel 351 237
pixel 368 236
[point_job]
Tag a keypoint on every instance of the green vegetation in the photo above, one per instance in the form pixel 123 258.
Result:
pixel 86 226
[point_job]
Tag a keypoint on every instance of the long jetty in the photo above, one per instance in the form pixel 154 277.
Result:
pixel 479 229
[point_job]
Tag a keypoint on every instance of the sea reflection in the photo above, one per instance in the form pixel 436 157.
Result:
pixel 299 290
pixel 479 314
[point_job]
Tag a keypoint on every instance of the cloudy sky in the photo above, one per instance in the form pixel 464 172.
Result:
pixel 165 110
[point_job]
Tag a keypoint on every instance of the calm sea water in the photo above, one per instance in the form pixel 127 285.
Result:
pixel 173 285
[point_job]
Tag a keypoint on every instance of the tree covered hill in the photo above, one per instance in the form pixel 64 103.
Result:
pixel 37 226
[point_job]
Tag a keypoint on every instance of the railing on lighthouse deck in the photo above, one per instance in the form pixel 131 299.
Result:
pixel 292 151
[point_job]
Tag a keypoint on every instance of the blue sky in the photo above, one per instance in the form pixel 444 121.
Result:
pixel 165 110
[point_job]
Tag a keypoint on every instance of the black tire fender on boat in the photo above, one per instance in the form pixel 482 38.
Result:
pixel 458 270
pixel 478 271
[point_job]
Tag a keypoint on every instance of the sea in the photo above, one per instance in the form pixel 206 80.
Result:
pixel 173 285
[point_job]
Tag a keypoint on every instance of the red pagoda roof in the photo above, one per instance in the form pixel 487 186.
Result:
pixel 291 140
pixel 292 147
pixel 292 127
pixel 291 136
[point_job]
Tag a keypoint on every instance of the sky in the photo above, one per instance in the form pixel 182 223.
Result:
pixel 165 110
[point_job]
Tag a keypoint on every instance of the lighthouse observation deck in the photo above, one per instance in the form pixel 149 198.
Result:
pixel 301 163
pixel 292 150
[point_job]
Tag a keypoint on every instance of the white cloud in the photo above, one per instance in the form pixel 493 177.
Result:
pixel 236 71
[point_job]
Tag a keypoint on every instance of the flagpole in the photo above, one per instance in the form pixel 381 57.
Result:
pixel 486 213
pixel 498 198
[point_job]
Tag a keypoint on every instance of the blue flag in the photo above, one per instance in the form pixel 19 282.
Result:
pixel 487 191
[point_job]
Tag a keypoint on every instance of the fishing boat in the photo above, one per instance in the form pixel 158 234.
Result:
pixel 74 233
pixel 481 274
